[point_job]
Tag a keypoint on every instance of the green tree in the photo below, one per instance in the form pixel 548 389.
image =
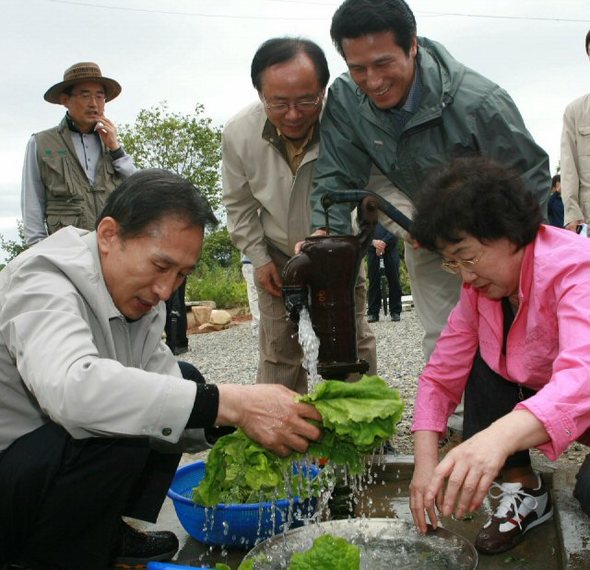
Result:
pixel 12 247
pixel 186 144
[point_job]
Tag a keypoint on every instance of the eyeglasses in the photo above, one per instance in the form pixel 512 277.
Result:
pixel 302 105
pixel 86 96
pixel 455 267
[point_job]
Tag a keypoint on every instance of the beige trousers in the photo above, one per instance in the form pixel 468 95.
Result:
pixel 280 355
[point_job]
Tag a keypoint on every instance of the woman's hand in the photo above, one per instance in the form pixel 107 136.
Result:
pixel 425 461
pixel 470 468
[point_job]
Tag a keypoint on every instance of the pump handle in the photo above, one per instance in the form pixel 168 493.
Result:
pixel 342 196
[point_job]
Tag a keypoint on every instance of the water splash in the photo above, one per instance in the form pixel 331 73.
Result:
pixel 310 345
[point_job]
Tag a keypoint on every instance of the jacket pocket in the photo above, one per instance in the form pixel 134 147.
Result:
pixel 584 140
pixel 57 176
pixel 56 222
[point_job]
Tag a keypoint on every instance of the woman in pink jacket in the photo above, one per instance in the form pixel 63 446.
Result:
pixel 523 323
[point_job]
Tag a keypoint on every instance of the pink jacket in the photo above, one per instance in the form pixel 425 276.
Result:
pixel 548 347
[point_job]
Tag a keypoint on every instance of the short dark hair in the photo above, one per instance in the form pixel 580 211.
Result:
pixel 280 50
pixel 356 18
pixel 587 44
pixel 555 180
pixel 474 196
pixel 151 195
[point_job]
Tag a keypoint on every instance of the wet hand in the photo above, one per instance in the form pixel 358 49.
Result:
pixel 469 469
pixel 269 414
pixel 425 462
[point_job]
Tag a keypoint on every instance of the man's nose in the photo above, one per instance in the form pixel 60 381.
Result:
pixel 164 287
pixel 293 112
pixel 374 78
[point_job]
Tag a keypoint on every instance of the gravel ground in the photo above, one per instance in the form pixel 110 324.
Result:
pixel 231 356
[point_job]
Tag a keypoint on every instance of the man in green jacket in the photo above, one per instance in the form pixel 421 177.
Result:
pixel 405 106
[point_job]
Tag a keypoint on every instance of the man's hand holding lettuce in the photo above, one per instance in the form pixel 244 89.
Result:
pixel 357 417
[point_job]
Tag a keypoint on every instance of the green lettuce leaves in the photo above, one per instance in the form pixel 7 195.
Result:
pixel 357 417
pixel 328 552
pixel 239 470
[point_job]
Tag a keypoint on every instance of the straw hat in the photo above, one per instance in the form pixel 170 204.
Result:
pixel 80 73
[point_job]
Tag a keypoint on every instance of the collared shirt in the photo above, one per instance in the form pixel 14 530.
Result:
pixel 402 115
pixel 292 153
pixel 88 148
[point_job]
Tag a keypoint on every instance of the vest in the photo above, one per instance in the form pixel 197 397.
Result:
pixel 71 199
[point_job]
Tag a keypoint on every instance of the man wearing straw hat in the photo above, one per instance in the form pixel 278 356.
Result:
pixel 70 170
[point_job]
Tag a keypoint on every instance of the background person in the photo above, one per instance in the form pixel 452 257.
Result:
pixel 405 106
pixel 90 390
pixel 248 274
pixel 70 170
pixel 575 159
pixel 383 249
pixel 555 204
pixel 523 323
pixel 269 151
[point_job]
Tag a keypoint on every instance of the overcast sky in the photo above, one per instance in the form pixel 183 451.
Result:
pixel 196 51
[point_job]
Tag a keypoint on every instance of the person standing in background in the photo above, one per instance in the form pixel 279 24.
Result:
pixel 70 170
pixel 383 255
pixel 248 273
pixel 555 205
pixel 575 159
pixel 269 151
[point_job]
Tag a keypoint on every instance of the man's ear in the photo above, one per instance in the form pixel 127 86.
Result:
pixel 107 234
pixel 414 47
pixel 64 99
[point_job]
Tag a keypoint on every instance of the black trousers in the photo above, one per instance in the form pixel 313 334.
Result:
pixel 176 321
pixel 488 397
pixel 391 264
pixel 62 499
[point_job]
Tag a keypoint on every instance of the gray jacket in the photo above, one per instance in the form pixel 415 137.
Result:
pixel 67 354
pixel 460 112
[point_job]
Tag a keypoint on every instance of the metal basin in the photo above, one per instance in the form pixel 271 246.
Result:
pixel 384 544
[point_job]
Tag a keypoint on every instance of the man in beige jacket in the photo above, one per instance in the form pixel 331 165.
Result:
pixel 269 153
pixel 575 159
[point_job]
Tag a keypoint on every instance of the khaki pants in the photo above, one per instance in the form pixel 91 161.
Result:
pixel 280 354
pixel 434 292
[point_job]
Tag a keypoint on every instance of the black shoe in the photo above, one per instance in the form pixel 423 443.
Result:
pixel 396 317
pixel 180 350
pixel 372 318
pixel 137 548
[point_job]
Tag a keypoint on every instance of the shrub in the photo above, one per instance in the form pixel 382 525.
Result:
pixel 224 285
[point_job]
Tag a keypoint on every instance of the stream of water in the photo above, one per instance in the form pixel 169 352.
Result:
pixel 310 345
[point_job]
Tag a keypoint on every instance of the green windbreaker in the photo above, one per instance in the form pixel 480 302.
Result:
pixel 460 112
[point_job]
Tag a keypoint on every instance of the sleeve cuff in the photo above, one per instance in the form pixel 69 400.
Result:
pixel 205 408
pixel 117 153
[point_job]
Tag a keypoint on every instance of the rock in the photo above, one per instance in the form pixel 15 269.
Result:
pixel 202 314
pixel 219 317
